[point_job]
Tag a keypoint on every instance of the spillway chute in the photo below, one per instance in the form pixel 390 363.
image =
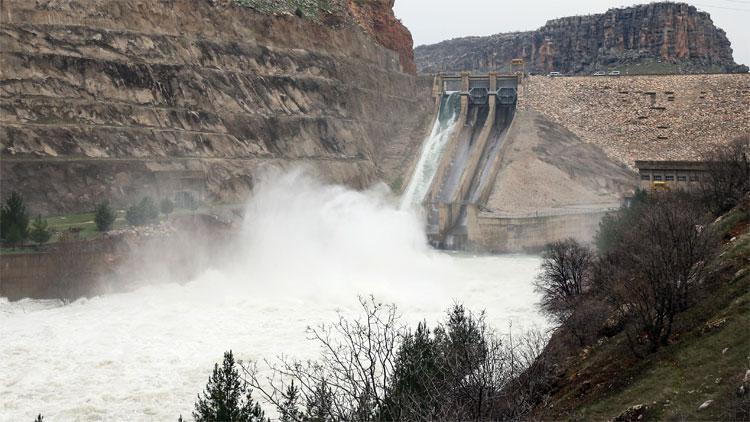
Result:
pixel 432 149
pixel 457 167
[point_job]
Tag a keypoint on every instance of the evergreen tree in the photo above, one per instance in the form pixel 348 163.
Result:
pixel 417 373
pixel 105 217
pixel 39 232
pixel 145 212
pixel 227 397
pixel 39 418
pixel 166 206
pixel 289 408
pixel 320 404
pixel 14 220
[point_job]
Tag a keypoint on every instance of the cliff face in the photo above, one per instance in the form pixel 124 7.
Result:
pixel 377 17
pixel 653 38
pixel 117 99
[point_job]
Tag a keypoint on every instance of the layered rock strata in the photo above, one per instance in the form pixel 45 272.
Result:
pixel 653 38
pixel 121 99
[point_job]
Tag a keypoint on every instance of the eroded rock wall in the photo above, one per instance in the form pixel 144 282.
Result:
pixel 653 38
pixel 116 99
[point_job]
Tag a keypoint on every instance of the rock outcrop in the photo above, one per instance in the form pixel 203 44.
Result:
pixel 653 38
pixel 118 99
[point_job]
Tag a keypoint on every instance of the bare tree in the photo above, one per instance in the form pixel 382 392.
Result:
pixel 728 177
pixel 350 379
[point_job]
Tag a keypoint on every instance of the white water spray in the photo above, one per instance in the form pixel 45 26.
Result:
pixel 306 250
pixel 432 151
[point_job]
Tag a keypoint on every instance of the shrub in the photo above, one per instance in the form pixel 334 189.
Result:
pixel 227 397
pixel 728 175
pixel 612 225
pixel 104 217
pixel 39 232
pixel 564 278
pixel 166 206
pixel 145 212
pixel 14 220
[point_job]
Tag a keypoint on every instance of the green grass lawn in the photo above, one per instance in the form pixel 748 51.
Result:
pixel 83 223
pixel 82 226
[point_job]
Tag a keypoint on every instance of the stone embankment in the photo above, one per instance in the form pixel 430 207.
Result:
pixel 676 117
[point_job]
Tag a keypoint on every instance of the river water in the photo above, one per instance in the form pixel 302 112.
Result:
pixel 305 252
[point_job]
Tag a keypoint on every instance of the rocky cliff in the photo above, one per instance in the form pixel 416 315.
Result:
pixel 653 38
pixel 117 99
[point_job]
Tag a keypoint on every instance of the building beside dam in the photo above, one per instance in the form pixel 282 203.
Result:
pixel 672 174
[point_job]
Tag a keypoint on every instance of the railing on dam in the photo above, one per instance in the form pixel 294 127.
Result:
pixel 479 88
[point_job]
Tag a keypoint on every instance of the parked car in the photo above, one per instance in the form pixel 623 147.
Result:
pixel 554 74
pixel 600 73
pixel 614 73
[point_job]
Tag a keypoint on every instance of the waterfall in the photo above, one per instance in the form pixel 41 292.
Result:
pixel 432 150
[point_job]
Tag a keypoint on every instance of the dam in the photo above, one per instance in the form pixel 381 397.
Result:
pixel 461 155
pixel 478 176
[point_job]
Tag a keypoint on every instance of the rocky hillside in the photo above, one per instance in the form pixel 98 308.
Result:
pixel 117 99
pixel 653 38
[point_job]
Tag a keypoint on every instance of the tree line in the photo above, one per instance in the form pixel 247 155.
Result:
pixel 374 368
pixel 16 227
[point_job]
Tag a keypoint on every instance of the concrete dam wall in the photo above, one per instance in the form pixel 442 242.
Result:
pixel 495 178
pixel 468 157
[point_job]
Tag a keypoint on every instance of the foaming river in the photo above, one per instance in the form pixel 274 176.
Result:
pixel 305 252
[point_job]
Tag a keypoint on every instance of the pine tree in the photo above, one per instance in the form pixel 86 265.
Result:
pixel 145 212
pixel 39 232
pixel 104 218
pixel 39 418
pixel 417 378
pixel 289 408
pixel 166 206
pixel 14 220
pixel 320 404
pixel 227 397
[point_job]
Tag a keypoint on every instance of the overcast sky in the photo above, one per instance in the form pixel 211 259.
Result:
pixel 431 21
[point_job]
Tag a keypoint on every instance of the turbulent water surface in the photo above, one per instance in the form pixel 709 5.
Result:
pixel 306 251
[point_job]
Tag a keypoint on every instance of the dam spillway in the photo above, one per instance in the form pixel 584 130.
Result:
pixel 466 165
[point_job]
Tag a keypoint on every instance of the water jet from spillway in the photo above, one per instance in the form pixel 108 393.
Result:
pixel 432 150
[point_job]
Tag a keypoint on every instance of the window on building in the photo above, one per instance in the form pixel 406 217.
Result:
pixel 645 177
pixel 657 178
pixel 669 178
pixel 682 178
pixel 693 177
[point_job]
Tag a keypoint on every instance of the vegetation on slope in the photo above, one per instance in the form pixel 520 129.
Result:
pixel 705 359
pixel 658 328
